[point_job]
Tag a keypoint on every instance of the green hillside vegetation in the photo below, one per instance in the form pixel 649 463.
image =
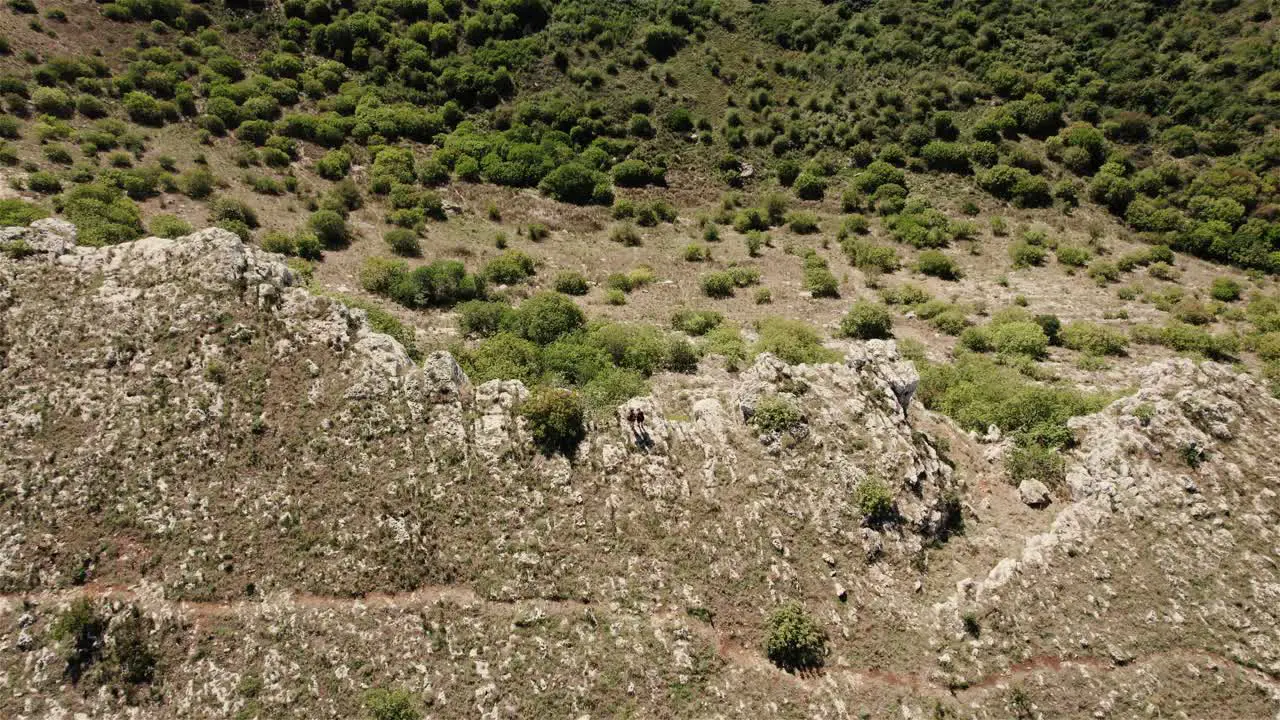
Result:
pixel 1163 117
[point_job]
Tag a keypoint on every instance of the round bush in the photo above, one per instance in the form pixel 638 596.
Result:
pixel 809 186
pixel 546 316
pixel 935 263
pixel 794 640
pixel 52 101
pixel 577 184
pixel 45 183
pixel 1020 338
pixel 329 227
pixel 571 283
pixel 557 420
pixel 509 268
pixel 403 242
pixel 717 285
pixel 1225 290
pixel 866 321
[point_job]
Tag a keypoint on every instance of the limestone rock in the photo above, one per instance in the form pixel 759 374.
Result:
pixel 1033 493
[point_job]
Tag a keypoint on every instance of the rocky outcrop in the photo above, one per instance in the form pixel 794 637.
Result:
pixel 1175 496
pixel 191 390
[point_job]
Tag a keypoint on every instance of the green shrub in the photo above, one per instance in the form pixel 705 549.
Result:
pixel 977 339
pixel 636 173
pixel 504 357
pixel 1020 338
pixel 14 211
pixel 821 282
pixel 168 226
pixel 794 640
pixel 225 208
pixel 696 322
pixel 793 341
pixel 809 187
pixel 774 414
pixel 717 284
pixel 750 219
pixel 1072 256
pixel 146 110
pixel 1024 254
pixel 571 283
pixel 935 263
pixel 613 386
pixel 334 165
pixel 197 183
pixel 278 242
pixel 867 320
pixel 307 245
pixel 802 223
pixel 1104 272
pixel 577 184
pixel 1092 339
pixel 102 215
pixel 509 268
pixel 1225 290
pixel 626 234
pixel 403 242
pixel 978 393
pixel 1267 345
pixel 694 252
pixel 951 321
pixel 870 256
pixel 484 318
pixel 743 276
pixel 876 175
pixel 905 294
pixel 546 316
pixel 330 228
pixel 52 101
pixel 1051 326
pixel 45 183
pixel 442 283
pixel 1186 338
pixel 636 347
pixel 557 420
pixel 538 232
pixel 382 704
pixel 875 502
pixel 1036 462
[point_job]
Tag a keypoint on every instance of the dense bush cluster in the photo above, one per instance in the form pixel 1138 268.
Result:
pixel 1158 114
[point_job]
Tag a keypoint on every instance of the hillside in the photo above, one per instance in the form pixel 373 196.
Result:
pixel 324 325
pixel 271 510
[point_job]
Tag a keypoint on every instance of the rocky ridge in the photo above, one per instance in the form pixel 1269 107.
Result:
pixel 191 432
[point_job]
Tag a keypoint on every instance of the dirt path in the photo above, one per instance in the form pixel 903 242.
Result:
pixel 732 651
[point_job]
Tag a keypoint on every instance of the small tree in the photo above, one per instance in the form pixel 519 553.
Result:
pixel 795 641
pixel 556 420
